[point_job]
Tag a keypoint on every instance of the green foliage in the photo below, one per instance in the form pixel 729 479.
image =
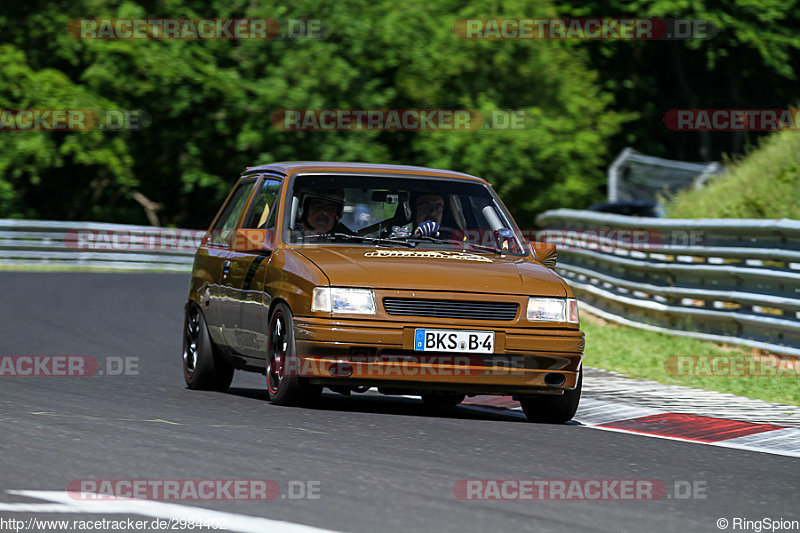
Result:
pixel 751 63
pixel 764 184
pixel 33 163
pixel 211 103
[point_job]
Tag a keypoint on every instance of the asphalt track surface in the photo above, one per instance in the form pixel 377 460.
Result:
pixel 383 463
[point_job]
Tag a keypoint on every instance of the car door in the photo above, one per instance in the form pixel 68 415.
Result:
pixel 215 255
pixel 245 315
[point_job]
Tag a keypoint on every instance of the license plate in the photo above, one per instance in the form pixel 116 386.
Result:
pixel 448 340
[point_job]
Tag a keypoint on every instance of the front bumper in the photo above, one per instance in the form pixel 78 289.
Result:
pixel 381 353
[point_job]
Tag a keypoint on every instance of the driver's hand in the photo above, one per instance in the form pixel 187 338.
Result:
pixel 427 229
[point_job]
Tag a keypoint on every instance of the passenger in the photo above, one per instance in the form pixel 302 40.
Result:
pixel 426 207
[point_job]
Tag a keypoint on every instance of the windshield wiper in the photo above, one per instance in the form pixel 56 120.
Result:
pixel 476 246
pixel 361 238
pixel 428 238
pixel 486 247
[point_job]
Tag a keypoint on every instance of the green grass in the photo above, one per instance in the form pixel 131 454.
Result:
pixel 763 184
pixel 639 353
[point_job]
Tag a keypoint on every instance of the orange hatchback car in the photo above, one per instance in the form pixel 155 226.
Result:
pixel 353 276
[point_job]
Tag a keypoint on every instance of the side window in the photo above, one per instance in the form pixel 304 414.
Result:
pixel 222 231
pixel 263 212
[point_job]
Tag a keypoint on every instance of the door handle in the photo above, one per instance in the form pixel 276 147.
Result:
pixel 226 268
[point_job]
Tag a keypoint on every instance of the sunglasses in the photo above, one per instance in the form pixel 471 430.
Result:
pixel 430 207
pixel 321 205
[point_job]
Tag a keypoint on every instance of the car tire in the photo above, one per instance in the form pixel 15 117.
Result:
pixel 204 367
pixel 442 400
pixel 551 409
pixel 284 386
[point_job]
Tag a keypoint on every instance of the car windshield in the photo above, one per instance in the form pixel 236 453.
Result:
pixel 430 213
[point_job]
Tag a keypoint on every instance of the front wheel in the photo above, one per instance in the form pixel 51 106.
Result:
pixel 552 409
pixel 204 368
pixel 284 386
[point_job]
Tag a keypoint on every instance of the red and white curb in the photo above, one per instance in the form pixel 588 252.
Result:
pixel 626 414
pixel 613 416
pixel 612 386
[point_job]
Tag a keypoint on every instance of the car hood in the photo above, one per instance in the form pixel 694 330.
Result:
pixel 433 270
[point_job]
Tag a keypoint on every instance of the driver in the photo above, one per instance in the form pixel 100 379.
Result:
pixel 322 212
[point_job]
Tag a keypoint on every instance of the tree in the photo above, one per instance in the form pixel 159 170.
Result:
pixel 211 103
pixel 751 63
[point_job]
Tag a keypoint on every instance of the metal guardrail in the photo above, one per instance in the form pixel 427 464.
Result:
pixel 45 243
pixel 635 176
pixel 729 280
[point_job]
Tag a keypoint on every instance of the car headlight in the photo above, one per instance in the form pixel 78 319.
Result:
pixel 341 300
pixel 553 310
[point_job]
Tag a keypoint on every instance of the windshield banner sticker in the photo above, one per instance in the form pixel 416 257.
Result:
pixel 429 254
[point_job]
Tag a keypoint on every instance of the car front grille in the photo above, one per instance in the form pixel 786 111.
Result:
pixel 451 309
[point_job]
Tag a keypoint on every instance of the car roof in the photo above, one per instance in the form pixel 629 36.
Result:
pixel 290 167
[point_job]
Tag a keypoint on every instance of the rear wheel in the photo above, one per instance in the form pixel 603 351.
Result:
pixel 284 386
pixel 553 409
pixel 438 400
pixel 204 368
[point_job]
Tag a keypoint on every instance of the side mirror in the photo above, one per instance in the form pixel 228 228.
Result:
pixel 254 240
pixel 544 252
